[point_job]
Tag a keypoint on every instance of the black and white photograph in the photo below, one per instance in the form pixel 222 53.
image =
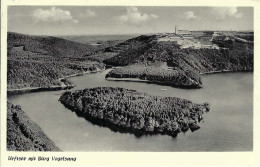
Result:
pixel 130 78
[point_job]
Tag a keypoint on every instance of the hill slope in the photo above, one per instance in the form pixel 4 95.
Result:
pixel 146 51
pixel 49 45
pixel 86 39
pixel 41 62
pixel 238 56
pixel 23 134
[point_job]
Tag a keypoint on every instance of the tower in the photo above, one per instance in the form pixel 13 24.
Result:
pixel 176 29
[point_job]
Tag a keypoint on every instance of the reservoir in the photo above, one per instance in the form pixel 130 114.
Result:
pixel 228 126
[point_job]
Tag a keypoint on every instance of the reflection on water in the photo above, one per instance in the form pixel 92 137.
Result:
pixel 227 127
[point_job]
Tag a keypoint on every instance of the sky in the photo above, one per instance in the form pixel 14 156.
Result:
pixel 93 20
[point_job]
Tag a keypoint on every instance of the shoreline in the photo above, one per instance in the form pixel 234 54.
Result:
pixel 150 82
pixel 51 88
pixel 225 71
pixel 165 84
pixel 70 86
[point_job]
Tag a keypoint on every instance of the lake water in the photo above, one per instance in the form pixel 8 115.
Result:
pixel 227 127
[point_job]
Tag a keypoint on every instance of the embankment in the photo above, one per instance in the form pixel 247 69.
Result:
pixel 23 134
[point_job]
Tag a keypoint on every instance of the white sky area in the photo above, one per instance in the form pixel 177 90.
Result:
pixel 75 20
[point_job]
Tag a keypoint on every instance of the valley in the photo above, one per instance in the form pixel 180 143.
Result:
pixel 45 63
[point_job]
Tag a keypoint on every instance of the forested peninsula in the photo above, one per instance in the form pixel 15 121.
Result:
pixel 130 111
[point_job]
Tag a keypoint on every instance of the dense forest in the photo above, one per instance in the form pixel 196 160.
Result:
pixel 31 63
pixel 101 56
pixel 132 111
pixel 23 134
pixel 158 73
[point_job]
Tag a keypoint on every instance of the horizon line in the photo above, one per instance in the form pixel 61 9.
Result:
pixel 125 33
